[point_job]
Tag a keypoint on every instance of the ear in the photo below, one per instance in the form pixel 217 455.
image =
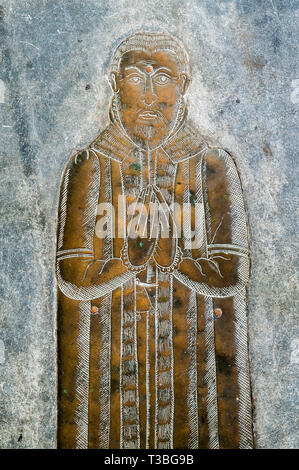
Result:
pixel 184 81
pixel 113 80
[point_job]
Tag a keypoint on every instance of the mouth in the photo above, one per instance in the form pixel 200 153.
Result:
pixel 147 115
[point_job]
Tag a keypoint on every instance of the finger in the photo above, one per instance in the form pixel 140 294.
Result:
pixel 155 226
pixel 141 212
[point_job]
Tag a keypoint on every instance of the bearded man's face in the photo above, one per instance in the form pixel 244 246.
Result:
pixel 150 87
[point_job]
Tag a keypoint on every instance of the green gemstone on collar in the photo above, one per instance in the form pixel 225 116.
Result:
pixel 140 244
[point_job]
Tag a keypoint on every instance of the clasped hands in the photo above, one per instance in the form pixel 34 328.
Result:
pixel 151 232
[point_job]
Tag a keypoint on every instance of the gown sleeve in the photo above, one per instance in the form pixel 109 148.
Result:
pixel 79 275
pixel 224 266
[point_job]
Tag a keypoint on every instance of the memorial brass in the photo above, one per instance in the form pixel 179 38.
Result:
pixel 152 268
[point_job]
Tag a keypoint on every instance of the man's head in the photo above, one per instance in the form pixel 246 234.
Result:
pixel 150 75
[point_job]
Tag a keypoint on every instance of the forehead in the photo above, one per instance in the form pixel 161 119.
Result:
pixel 140 59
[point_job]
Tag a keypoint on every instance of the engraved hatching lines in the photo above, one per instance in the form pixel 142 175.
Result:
pixel 230 246
pixel 170 279
pixel 205 196
pixel 238 215
pixel 242 362
pixel 63 204
pixel 186 200
pixel 192 401
pixel 108 240
pixel 210 377
pixel 136 367
pixel 120 366
pixel 186 144
pixel 129 399
pixel 124 209
pixel 91 292
pixel 156 358
pixel 217 292
pixel 141 158
pixel 239 225
pixel 90 213
pixel 164 414
pixel 73 250
pixel 104 366
pixel 212 253
pixel 76 255
pixel 199 209
pixel 147 383
pixel 111 145
pixel 82 376
pixel 239 236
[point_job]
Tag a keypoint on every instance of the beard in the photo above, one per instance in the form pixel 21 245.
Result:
pixel 148 132
pixel 145 133
pixel 159 130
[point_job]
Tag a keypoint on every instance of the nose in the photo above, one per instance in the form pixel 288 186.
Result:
pixel 149 97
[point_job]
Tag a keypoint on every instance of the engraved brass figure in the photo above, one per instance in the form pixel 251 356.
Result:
pixel 152 328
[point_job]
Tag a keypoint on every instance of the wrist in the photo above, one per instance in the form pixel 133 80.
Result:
pixel 175 262
pixel 124 256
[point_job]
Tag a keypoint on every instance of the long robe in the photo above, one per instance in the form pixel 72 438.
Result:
pixel 155 360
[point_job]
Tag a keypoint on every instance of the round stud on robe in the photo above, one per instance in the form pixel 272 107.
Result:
pixel 218 312
pixel 94 309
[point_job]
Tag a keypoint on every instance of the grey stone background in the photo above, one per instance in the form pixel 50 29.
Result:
pixel 54 99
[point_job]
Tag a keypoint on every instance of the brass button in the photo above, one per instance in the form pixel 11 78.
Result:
pixel 94 309
pixel 218 312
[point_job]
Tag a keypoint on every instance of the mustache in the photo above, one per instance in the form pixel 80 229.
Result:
pixel 152 110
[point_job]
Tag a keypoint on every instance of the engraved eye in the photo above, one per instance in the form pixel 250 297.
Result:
pixel 161 79
pixel 135 79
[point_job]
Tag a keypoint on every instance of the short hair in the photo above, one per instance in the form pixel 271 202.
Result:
pixel 151 42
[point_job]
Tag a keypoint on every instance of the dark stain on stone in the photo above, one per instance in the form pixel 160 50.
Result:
pixel 203 418
pixel 87 87
pixel 255 63
pixel 223 364
pixel 177 303
pixel 21 119
pixel 2 14
pixel 20 437
pixel 276 43
pixel 192 197
pixel 267 150
pixel 162 106
pixel 238 100
pixel 210 170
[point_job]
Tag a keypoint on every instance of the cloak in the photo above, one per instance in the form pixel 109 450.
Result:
pixel 154 358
